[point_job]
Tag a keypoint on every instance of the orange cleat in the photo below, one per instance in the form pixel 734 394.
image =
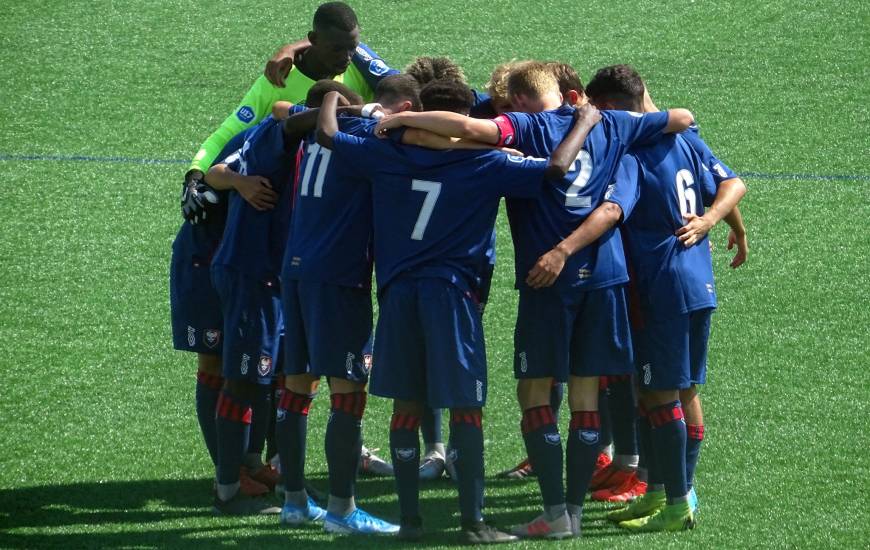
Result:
pixel 609 477
pixel 520 471
pixel 249 486
pixel 267 475
pixel 626 491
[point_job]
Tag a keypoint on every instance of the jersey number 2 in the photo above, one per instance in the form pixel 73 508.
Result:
pixel 325 154
pixel 581 178
pixel 432 190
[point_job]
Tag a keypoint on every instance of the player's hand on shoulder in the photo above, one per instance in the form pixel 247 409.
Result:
pixel 279 65
pixel 742 244
pixel 694 229
pixel 198 199
pixel 589 113
pixel 387 123
pixel 547 269
pixel 258 191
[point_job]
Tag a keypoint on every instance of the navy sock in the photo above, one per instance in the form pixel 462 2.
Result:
pixel 466 442
pixel 344 441
pixel 271 446
pixel 233 429
pixel 606 430
pixel 669 446
pixel 557 391
pixel 405 450
pixel 430 426
pixel 620 400
pixel 694 438
pixel 583 447
pixel 544 448
pixel 261 413
pixel 291 429
pixel 208 389
pixel 647 458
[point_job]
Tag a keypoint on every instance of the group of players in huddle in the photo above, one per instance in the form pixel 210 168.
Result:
pixel 335 162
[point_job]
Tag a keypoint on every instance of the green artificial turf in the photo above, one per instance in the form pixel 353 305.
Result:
pixel 99 444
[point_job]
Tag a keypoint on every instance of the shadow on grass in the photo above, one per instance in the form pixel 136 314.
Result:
pixel 177 514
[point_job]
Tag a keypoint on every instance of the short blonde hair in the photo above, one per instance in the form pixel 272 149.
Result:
pixel 534 80
pixel 497 85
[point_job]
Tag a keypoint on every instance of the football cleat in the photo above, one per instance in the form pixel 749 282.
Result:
pixel 520 471
pixel 693 501
pixel 295 515
pixel 372 464
pixel 481 533
pixel 673 517
pixel 628 490
pixel 359 522
pixel 541 528
pixel 244 505
pixel 609 477
pixel 266 475
pixel 250 487
pixel 432 466
pixel 411 530
pixel 647 505
pixel 576 520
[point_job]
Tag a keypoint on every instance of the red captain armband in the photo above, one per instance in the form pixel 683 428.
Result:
pixel 506 131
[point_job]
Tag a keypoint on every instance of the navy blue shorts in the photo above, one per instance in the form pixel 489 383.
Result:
pixel 197 321
pixel 579 334
pixel 326 329
pixel 252 324
pixel 429 345
pixel 671 354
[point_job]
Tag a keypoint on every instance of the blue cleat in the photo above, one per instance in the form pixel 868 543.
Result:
pixel 294 515
pixel 360 522
pixel 693 500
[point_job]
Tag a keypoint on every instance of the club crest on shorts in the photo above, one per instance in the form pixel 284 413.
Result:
pixel 589 437
pixel 553 438
pixel 191 336
pixel 264 366
pixel 244 366
pixel 406 455
pixel 212 337
pixel 367 361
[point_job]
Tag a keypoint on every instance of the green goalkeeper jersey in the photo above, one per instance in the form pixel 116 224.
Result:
pixel 361 76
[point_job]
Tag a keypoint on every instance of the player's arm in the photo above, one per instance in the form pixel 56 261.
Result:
pixel 279 65
pixel 257 190
pixel 737 237
pixel 729 194
pixel 443 123
pixel 327 122
pixel 563 158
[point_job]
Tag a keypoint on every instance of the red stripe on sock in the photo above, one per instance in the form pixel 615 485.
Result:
pixel 671 412
pixel 404 422
pixel 537 417
pixel 293 402
pixel 213 382
pixel 695 431
pixel 230 409
pixel 349 403
pixel 473 418
pixel 602 383
pixel 585 420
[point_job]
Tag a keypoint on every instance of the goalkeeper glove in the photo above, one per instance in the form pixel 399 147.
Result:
pixel 198 199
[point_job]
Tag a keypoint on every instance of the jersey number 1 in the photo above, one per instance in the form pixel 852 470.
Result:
pixel 313 150
pixel 432 190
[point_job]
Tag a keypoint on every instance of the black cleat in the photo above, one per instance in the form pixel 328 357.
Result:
pixel 481 533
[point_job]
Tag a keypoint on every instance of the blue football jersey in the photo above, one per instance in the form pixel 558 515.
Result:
pixel 331 235
pixel 718 169
pixel 670 278
pixel 538 225
pixel 371 66
pixel 254 241
pixel 434 210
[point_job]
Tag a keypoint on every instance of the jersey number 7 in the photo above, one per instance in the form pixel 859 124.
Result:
pixel 432 190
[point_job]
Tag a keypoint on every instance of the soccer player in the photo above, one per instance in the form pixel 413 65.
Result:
pixel 433 214
pixel 335 52
pixel 667 246
pixel 245 274
pixel 572 322
pixel 326 281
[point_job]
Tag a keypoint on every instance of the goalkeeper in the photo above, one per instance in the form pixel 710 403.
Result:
pixel 332 50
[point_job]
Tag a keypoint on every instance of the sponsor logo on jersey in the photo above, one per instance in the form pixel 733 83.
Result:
pixel 264 366
pixel 406 455
pixel 609 192
pixel 191 336
pixel 377 67
pixel 212 337
pixel 719 170
pixel 553 438
pixel 647 374
pixel 245 114
pixel 524 362
pixel 360 51
pixel 589 437
pixel 583 273
pixel 244 366
pixel 479 391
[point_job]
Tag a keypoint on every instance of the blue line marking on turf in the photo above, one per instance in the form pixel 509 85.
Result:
pixel 133 160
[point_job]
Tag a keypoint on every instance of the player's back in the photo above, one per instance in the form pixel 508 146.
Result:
pixel 538 225
pixel 673 183
pixel 331 233
pixel 254 240
pixel 433 210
